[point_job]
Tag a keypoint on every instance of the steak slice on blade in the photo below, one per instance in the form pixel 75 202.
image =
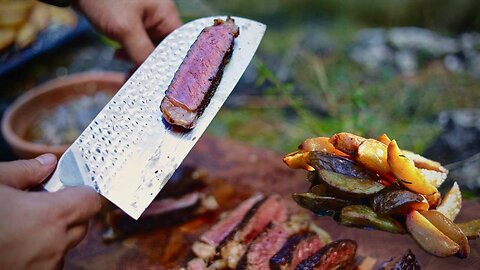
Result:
pixel 296 249
pixel 198 76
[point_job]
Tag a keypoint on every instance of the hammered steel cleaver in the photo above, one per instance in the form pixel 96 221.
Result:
pixel 128 153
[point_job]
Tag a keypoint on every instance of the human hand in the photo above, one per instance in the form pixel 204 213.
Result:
pixel 38 228
pixel 137 25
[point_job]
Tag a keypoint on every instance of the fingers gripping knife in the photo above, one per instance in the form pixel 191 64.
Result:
pixel 128 153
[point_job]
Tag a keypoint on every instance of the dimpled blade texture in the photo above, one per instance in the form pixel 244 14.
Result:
pixel 128 153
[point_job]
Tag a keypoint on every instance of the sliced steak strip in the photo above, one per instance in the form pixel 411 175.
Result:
pixel 271 210
pixel 335 255
pixel 199 74
pixel 263 248
pixel 296 249
pixel 211 239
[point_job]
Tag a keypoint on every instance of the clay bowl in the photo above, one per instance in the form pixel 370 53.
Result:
pixel 22 115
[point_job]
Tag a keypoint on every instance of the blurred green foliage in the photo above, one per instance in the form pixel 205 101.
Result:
pixel 329 93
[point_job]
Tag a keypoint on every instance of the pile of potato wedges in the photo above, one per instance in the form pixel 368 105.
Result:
pixel 373 183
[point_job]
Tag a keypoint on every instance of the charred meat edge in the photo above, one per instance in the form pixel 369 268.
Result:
pixel 293 250
pixel 247 220
pixel 208 242
pixel 340 253
pixel 164 212
pixel 179 114
pixel 241 212
pixel 254 223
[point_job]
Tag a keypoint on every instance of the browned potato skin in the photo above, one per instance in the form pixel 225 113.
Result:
pixel 297 160
pixel 321 144
pixel 450 229
pixel 423 162
pixel 384 139
pixel 429 237
pixel 372 154
pixel 433 199
pixel 346 142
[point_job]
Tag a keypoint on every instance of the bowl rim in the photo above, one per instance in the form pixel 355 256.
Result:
pixel 17 142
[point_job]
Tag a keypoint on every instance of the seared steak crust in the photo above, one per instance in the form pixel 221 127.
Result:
pixel 335 255
pixel 297 248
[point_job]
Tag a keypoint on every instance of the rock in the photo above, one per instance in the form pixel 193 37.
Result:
pixel 459 146
pixel 406 62
pixel 408 48
pixel 371 51
pixel 466 173
pixel 318 43
pixel 423 40
pixel 453 63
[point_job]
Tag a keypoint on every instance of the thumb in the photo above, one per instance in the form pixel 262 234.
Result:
pixel 77 204
pixel 24 174
pixel 137 43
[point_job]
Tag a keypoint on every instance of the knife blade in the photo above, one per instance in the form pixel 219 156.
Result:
pixel 128 153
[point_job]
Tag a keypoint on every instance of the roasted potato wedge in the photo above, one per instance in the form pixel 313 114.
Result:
pixel 349 187
pixel 364 216
pixel 298 160
pixel 321 144
pixel 346 142
pixel 384 139
pixel 423 162
pixel 429 237
pixel 372 154
pixel 471 229
pixel 433 199
pixel 450 229
pixel 451 203
pixel 405 170
pixel 434 177
pixel 398 202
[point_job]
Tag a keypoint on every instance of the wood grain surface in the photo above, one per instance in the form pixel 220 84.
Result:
pixel 236 171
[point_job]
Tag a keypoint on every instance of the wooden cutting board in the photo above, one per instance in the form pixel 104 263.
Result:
pixel 236 171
